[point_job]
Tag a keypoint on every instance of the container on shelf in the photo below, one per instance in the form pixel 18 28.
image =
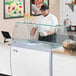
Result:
pixel 73 28
pixel 67 23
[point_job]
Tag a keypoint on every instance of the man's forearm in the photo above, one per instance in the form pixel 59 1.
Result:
pixel 50 32
pixel 33 31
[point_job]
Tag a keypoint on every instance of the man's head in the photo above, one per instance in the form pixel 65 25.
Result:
pixel 44 10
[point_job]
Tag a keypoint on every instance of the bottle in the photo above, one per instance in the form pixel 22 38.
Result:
pixel 67 23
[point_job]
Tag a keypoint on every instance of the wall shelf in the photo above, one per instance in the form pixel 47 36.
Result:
pixel 71 6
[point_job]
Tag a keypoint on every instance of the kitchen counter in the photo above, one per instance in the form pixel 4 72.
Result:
pixel 31 57
pixel 7 43
pixel 5 58
pixel 64 63
pixel 64 52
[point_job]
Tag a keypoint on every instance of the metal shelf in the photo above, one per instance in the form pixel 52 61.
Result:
pixel 71 6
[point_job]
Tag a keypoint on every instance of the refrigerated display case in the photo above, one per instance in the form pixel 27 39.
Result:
pixel 31 57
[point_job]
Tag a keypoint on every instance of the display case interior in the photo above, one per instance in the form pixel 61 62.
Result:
pixel 22 31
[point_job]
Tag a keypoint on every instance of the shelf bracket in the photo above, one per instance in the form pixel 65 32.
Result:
pixel 71 6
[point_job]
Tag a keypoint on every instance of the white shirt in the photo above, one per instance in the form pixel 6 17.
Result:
pixel 48 20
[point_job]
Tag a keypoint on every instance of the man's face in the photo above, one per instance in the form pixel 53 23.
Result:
pixel 44 12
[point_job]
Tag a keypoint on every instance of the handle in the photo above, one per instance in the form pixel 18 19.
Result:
pixel 14 50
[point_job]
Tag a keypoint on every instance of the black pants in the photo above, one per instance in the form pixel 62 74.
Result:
pixel 49 38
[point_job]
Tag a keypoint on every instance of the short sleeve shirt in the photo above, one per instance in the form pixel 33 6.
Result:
pixel 50 20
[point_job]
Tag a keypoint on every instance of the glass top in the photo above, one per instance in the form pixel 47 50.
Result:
pixel 22 32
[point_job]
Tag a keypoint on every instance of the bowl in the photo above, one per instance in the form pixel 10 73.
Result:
pixel 69 45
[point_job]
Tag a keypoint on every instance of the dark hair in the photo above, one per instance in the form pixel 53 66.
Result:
pixel 44 7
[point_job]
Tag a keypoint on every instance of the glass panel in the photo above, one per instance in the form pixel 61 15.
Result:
pixel 22 32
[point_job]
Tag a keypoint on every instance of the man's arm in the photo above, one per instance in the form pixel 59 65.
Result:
pixel 47 33
pixel 33 31
pixel 54 29
pixel 50 32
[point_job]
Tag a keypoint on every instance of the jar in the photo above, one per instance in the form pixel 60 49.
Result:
pixel 67 23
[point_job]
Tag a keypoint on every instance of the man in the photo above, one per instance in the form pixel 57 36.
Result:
pixel 46 33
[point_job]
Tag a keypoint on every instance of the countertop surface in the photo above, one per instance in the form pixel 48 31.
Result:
pixel 4 44
pixel 58 50
pixel 62 51
pixel 33 45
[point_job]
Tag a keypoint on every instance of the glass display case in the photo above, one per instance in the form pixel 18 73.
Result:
pixel 22 32
pixel 30 56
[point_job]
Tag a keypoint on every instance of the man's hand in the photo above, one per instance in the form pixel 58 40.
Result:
pixel 31 37
pixel 43 34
